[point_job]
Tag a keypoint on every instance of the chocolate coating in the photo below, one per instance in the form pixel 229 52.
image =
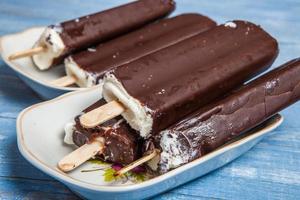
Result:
pixel 216 124
pixel 141 42
pixel 122 144
pixel 177 80
pixel 89 30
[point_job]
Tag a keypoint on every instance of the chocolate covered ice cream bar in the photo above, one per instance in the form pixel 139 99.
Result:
pixel 60 40
pixel 228 118
pixel 122 144
pixel 88 67
pixel 161 88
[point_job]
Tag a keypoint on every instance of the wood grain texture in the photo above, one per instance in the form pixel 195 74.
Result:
pixel 271 170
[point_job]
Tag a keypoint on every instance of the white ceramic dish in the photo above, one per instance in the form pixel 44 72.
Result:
pixel 40 140
pixel 26 70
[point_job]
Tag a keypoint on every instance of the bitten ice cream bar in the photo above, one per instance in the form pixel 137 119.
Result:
pixel 159 89
pixel 121 142
pixel 58 41
pixel 88 67
pixel 114 141
pixel 216 124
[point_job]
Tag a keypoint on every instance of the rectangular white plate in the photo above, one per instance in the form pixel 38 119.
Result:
pixel 40 140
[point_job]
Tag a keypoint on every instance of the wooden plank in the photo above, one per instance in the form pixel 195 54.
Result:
pixel 177 196
pixel 271 170
pixel 14 96
pixel 12 164
pixel 27 189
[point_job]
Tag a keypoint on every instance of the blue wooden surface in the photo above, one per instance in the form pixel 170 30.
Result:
pixel 271 170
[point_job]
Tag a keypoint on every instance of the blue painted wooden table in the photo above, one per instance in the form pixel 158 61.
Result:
pixel 271 170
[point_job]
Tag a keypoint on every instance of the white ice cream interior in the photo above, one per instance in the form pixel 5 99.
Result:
pixel 54 47
pixel 230 24
pixel 137 115
pixel 69 129
pixel 173 154
pixel 83 78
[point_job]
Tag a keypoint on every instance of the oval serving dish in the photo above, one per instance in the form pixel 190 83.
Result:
pixel 40 141
pixel 38 80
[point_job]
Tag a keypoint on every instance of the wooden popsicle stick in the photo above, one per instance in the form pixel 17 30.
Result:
pixel 26 53
pixel 64 81
pixel 138 162
pixel 101 114
pixel 81 155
